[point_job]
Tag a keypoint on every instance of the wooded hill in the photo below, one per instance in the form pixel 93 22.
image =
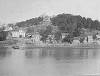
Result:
pixel 66 23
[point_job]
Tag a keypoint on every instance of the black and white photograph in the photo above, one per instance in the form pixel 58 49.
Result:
pixel 49 37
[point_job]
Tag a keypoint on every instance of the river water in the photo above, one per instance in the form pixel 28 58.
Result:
pixel 49 62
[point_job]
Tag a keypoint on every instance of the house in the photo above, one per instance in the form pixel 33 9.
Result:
pixel 76 40
pixel 18 33
pixel 9 36
pixel 98 38
pixel 90 38
pixel 64 35
pixel 50 39
pixel 98 35
pixel 36 38
pixel 7 28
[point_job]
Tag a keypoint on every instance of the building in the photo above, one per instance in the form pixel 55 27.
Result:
pixel 18 33
pixel 50 39
pixel 98 38
pixel 7 28
pixel 9 36
pixel 90 38
pixel 76 40
pixel 36 38
pixel 64 35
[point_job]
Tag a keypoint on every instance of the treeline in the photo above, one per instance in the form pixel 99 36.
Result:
pixel 69 23
pixel 65 22
pixel 62 23
pixel 30 22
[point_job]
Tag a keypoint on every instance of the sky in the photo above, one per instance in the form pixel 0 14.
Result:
pixel 12 11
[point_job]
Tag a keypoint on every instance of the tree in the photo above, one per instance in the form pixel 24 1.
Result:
pixel 76 32
pixel 30 22
pixel 94 36
pixel 30 30
pixel 65 22
pixel 57 36
pixel 2 28
pixel 81 39
pixel 97 25
pixel 49 29
pixel 45 33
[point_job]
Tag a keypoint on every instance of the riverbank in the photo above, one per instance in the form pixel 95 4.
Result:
pixel 7 43
pixel 79 46
pixel 22 45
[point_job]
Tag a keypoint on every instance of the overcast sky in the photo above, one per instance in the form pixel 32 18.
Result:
pixel 18 10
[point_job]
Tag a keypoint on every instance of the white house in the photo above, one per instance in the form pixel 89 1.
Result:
pixel 98 36
pixel 90 38
pixel 76 41
pixel 7 28
pixel 18 33
pixel 36 38
pixel 64 35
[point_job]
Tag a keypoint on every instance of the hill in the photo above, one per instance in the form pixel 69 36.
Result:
pixel 66 23
pixel 30 22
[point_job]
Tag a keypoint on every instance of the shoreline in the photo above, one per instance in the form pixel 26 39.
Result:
pixel 11 43
pixel 82 46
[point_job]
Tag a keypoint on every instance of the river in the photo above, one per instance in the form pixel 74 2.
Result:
pixel 49 62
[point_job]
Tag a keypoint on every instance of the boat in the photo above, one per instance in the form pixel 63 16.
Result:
pixel 15 47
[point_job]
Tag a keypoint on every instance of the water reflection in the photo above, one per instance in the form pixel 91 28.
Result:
pixel 63 61
pixel 49 62
pixel 31 53
pixel 4 52
pixel 55 53
pixel 59 53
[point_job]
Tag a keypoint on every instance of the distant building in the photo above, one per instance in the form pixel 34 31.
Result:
pixel 18 33
pixel 76 40
pixel 9 36
pixel 64 35
pixel 50 39
pixel 36 38
pixel 7 28
pixel 90 38
pixel 98 36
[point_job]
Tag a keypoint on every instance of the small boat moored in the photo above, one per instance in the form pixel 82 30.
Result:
pixel 15 47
